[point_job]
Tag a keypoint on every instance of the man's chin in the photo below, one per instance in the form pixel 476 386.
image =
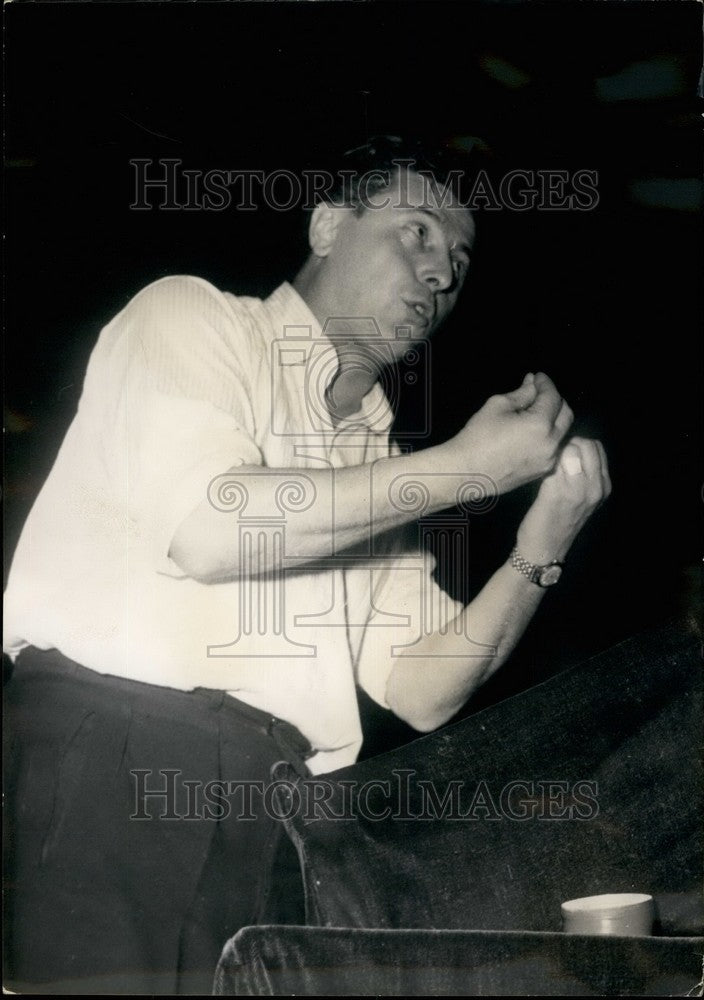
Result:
pixel 405 338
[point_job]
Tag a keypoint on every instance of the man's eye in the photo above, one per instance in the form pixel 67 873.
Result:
pixel 418 229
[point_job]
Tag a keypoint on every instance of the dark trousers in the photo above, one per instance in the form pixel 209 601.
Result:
pixel 113 889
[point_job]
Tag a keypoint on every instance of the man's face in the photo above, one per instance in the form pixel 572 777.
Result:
pixel 402 261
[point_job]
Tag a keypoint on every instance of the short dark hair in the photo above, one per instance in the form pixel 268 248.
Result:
pixel 355 175
pixel 369 168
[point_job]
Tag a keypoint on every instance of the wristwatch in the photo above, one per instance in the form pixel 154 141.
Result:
pixel 543 576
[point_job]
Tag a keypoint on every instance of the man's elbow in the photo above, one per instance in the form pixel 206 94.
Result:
pixel 426 723
pixel 422 718
pixel 195 558
pixel 191 565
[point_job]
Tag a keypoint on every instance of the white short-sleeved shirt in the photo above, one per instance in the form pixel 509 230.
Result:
pixel 185 383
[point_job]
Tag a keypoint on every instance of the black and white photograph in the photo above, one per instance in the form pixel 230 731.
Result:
pixel 353 498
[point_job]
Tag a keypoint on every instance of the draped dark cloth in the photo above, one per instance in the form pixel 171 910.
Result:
pixel 602 761
pixel 331 961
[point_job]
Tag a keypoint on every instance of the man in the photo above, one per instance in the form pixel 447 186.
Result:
pixel 213 565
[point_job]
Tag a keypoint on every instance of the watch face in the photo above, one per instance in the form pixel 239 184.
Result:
pixel 550 575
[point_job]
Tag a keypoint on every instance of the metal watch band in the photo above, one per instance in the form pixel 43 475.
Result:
pixel 529 569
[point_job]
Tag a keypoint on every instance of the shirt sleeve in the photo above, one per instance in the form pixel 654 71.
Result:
pixel 183 415
pixel 406 603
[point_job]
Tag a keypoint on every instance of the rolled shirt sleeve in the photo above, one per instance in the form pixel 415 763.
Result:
pixel 406 604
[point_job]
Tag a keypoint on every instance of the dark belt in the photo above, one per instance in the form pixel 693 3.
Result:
pixel 291 742
pixel 293 745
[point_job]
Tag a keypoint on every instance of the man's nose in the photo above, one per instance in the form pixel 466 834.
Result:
pixel 436 271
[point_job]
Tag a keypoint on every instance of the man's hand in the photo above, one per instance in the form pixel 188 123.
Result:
pixel 515 437
pixel 565 501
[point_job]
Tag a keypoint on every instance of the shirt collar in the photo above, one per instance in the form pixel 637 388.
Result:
pixel 287 310
pixel 291 316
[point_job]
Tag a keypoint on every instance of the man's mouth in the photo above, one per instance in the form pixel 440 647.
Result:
pixel 422 312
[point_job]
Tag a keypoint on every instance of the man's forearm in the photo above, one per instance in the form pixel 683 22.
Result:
pixel 513 439
pixel 428 688
pixel 344 507
pixel 426 692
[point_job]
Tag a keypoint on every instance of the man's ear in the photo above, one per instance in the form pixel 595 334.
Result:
pixel 323 227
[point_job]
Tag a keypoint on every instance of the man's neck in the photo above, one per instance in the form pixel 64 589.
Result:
pixel 353 380
pixel 356 372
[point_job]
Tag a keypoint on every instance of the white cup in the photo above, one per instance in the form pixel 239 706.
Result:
pixel 628 914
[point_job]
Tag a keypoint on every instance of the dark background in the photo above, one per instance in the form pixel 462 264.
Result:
pixel 607 301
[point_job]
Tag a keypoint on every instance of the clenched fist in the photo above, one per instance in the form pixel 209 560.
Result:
pixel 565 501
pixel 515 437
